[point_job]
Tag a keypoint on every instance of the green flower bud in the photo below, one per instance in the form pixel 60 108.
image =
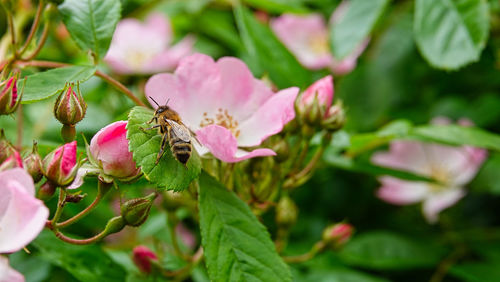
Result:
pixel 70 107
pixel 136 211
pixel 286 212
pixel 116 224
pixel 335 118
pixel 33 163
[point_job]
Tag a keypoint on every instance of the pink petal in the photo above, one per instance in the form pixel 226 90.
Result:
pixel 223 145
pixel 269 119
pixel 68 161
pixel 159 23
pixel 405 155
pixel 7 273
pixel 304 36
pixel 400 192
pixel 348 64
pixel 323 89
pixel 23 216
pixel 440 201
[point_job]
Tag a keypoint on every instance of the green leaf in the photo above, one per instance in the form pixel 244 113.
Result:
pixel 385 250
pixel 340 274
pixel 477 272
pixel 169 172
pixel 277 6
pixel 91 23
pixel 348 33
pixel 43 85
pixel 237 246
pixel 451 33
pixel 85 263
pixel 265 50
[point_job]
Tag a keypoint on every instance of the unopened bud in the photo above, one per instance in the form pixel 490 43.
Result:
pixel 70 107
pixel 314 103
pixel 6 148
pixel 142 257
pixel 10 98
pixel 286 212
pixel 116 224
pixel 46 191
pixel 13 161
pixel 282 151
pixel 136 211
pixel 335 118
pixel 33 163
pixel 60 165
pixel 338 234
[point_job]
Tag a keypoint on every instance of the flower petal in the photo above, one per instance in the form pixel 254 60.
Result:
pixel 269 119
pixel 323 89
pixel 7 273
pixel 400 192
pixel 405 155
pixel 222 144
pixel 440 201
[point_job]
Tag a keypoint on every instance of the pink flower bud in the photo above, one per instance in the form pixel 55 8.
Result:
pixel 70 107
pixel 338 234
pixel 316 101
pixel 12 162
pixel 60 165
pixel 9 96
pixel 6 148
pixel 142 257
pixel 109 151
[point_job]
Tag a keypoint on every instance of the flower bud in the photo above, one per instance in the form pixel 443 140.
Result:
pixel 60 165
pixel 335 118
pixel 12 162
pixel 142 257
pixel 46 191
pixel 70 107
pixel 6 148
pixel 286 212
pixel 136 211
pixel 33 163
pixel 282 150
pixel 109 152
pixel 314 103
pixel 338 234
pixel 9 96
pixel 173 200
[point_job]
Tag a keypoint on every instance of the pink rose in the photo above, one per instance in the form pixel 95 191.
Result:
pixel 144 48
pixel 142 257
pixel 22 216
pixel 224 104
pixel 60 166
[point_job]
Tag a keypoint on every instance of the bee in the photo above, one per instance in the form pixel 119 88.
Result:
pixel 172 129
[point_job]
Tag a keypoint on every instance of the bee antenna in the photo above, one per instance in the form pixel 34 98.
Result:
pixel 167 101
pixel 153 100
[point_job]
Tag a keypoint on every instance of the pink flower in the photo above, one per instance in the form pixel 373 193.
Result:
pixel 13 161
pixel 109 151
pixel 8 274
pixel 306 36
pixel 452 167
pixel 142 257
pixel 143 48
pixel 224 104
pixel 60 166
pixel 22 216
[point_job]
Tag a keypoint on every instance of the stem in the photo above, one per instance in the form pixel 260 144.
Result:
pixel 101 191
pixel 10 22
pixel 304 174
pixel 446 264
pixel 105 77
pixel 20 122
pixel 195 259
pixel 34 27
pixel 172 222
pixel 318 247
pixel 38 48
pixel 60 207
pixel 90 240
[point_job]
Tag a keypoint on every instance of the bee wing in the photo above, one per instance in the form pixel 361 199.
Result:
pixel 180 130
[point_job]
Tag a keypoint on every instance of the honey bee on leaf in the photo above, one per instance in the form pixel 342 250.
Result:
pixel 172 130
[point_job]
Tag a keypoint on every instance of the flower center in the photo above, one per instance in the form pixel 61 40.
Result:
pixel 222 118
pixel 319 44
pixel 137 58
pixel 440 175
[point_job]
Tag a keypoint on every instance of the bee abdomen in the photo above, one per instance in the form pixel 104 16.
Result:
pixel 181 150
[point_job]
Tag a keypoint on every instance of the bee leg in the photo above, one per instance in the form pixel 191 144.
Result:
pixel 162 149
pixel 153 119
pixel 152 127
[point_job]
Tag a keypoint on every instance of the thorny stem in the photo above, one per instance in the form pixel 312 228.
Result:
pixel 105 77
pixel 317 248
pixel 34 28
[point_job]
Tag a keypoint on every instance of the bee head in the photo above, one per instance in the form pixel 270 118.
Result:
pixel 162 109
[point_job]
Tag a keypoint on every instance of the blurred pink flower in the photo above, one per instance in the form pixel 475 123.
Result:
pixel 452 167
pixel 306 36
pixel 22 216
pixel 144 48
pixel 224 104
pixel 7 273
pixel 109 151
pixel 60 165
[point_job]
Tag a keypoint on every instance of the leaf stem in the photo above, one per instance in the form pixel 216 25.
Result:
pixel 317 248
